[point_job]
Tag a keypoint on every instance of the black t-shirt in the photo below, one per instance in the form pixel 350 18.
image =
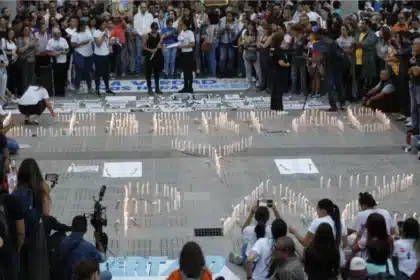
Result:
pixel 3 145
pixel 276 55
pixel 14 213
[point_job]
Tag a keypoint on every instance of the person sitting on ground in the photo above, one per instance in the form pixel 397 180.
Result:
pixel 260 258
pixel 378 261
pixel 380 97
pixel 287 263
pixel 404 248
pixel 33 103
pixel 192 264
pixel 74 249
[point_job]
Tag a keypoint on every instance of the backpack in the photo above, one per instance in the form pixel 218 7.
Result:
pixel 31 215
pixel 4 221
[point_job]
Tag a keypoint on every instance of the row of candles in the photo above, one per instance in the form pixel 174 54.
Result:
pixel 314 117
pixel 168 127
pixel 353 115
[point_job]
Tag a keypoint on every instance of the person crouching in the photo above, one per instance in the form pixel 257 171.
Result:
pixel 33 103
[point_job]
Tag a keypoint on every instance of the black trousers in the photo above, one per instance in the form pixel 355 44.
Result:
pixel 36 109
pixel 101 70
pixel 60 78
pixel 187 65
pixel 279 87
pixel 152 68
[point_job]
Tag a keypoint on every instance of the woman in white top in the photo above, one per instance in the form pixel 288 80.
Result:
pixel 328 213
pixel 81 41
pixel 70 30
pixel 101 57
pixel 186 39
pixel 33 103
pixel 4 62
pixel 260 256
pixel 9 46
pixel 58 48
pixel 404 250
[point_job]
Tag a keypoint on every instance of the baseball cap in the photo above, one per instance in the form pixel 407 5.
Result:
pixel 357 267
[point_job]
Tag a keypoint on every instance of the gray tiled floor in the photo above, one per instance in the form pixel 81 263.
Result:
pixel 333 153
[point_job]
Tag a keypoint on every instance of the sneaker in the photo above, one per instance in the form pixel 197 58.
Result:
pixel 235 259
pixel 409 124
pixel 158 91
pixel 184 90
pixel 401 118
pixel 408 119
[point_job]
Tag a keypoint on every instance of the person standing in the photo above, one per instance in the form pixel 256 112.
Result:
pixel 101 57
pixel 187 42
pixel 153 57
pixel 141 22
pixel 414 72
pixel 4 62
pixel 279 71
pixel 81 42
pixel 26 48
pixel 58 48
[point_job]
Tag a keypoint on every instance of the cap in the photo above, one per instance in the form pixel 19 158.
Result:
pixel 357 267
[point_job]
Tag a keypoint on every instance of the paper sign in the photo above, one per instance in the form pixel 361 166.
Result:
pixel 123 170
pixel 83 168
pixel 296 166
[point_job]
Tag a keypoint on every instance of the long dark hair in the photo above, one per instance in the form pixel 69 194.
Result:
pixel 191 260
pixel 334 212
pixel 376 227
pixel 29 175
pixel 323 251
pixel 261 216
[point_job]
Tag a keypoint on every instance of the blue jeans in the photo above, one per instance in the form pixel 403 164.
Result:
pixel 211 58
pixel 415 106
pixel 131 53
pixel 169 56
pixel 13 146
pixel 227 58
pixel 105 275
pixel 83 68
pixel 298 69
pixel 139 54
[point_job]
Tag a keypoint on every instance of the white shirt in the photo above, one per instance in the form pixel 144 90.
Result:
pixel 186 38
pixel 313 16
pixel 407 260
pixel 4 60
pixel 249 237
pixel 142 23
pixel 103 49
pixel 58 46
pixel 361 219
pixel 263 248
pixel 82 37
pixel 327 219
pixel 70 31
pixel 33 95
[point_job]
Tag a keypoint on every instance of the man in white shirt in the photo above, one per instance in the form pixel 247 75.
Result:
pixel 52 12
pixel 141 23
pixel 57 48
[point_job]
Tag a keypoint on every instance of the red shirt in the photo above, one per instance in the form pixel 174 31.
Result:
pixel 119 32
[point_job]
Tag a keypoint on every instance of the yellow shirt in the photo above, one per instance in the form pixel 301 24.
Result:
pixel 359 51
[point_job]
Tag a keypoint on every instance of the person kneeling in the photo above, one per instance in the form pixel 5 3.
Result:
pixel 33 103
pixel 380 97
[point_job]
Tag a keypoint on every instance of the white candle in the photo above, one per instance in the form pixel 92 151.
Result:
pixel 321 182
pixel 145 207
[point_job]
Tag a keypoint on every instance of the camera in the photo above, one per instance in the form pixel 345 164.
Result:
pixel 53 178
pixel 98 219
pixel 265 203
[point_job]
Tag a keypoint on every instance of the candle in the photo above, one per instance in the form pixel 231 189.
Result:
pixel 145 207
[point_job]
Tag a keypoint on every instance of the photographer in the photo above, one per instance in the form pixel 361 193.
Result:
pixel 86 270
pixel 75 249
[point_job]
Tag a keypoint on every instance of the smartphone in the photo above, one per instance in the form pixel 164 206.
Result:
pixel 265 203
pixel 52 177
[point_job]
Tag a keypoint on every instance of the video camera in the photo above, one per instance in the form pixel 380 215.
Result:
pixel 98 218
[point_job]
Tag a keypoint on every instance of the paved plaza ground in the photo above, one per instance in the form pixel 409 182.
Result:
pixel 190 193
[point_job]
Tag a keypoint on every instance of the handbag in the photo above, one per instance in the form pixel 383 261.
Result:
pixel 251 54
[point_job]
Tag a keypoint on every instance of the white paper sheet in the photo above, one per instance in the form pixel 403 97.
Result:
pixel 123 170
pixel 174 45
pixel 296 166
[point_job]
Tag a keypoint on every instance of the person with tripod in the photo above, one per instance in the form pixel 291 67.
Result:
pixel 74 249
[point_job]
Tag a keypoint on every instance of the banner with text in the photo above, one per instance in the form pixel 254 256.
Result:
pixel 199 85
pixel 159 268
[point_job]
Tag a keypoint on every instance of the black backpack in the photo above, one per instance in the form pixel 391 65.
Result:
pixel 4 221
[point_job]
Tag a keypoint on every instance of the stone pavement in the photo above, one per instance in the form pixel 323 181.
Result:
pixel 83 164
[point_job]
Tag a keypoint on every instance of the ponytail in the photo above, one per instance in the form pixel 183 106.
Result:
pixel 335 215
pixel 260 229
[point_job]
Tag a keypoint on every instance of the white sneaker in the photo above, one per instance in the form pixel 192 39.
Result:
pixel 409 124
pixel 408 119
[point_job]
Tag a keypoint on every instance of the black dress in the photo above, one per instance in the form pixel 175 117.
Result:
pixel 155 65
pixel 279 76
